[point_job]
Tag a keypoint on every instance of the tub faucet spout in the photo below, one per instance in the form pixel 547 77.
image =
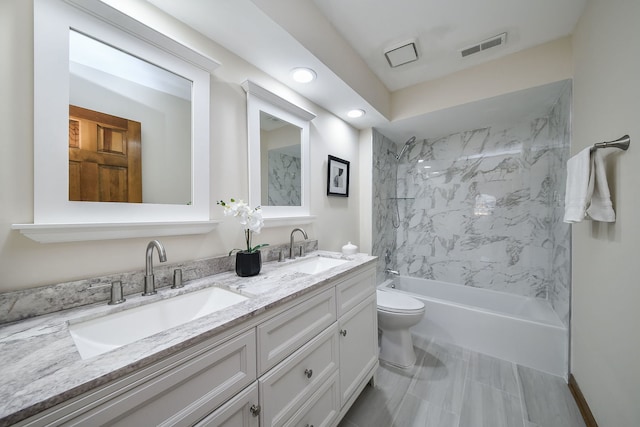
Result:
pixel 149 279
pixel 390 271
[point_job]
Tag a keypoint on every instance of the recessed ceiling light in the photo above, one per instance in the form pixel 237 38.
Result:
pixel 303 75
pixel 354 114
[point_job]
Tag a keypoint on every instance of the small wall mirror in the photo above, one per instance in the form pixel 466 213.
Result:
pixel 92 58
pixel 278 134
pixel 280 162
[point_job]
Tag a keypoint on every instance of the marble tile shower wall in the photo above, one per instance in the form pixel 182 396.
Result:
pixel 284 180
pixel 385 214
pixel 483 208
pixel 560 235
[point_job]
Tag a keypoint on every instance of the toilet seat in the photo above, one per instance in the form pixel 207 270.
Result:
pixel 393 302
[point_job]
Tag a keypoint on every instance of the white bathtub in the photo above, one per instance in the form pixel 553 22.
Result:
pixel 519 329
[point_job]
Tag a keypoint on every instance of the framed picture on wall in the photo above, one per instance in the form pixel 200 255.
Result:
pixel 337 177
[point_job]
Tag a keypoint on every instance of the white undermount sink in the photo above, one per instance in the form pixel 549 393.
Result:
pixel 97 336
pixel 314 265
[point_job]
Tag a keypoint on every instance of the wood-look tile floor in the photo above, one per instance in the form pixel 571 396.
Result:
pixel 454 387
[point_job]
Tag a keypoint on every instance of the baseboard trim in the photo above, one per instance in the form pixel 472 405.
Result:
pixel 589 420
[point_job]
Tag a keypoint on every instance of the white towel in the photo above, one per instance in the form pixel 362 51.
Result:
pixel 579 186
pixel 601 208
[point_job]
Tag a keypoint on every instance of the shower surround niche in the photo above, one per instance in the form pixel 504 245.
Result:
pixel 480 207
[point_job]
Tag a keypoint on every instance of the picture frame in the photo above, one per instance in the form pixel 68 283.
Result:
pixel 337 177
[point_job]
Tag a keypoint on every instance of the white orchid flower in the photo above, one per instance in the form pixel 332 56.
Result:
pixel 250 219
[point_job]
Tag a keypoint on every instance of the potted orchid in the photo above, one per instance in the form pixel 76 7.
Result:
pixel 249 261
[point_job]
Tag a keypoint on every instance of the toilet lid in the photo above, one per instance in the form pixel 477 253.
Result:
pixel 394 301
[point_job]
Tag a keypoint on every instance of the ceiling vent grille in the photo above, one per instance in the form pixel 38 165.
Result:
pixel 495 41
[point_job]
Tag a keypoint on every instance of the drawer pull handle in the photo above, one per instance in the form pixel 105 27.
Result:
pixel 308 372
pixel 343 332
pixel 309 425
pixel 255 410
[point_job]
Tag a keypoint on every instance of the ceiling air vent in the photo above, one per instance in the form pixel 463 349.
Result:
pixel 498 40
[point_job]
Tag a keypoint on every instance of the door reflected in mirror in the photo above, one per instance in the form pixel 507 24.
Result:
pixel 149 163
pixel 281 166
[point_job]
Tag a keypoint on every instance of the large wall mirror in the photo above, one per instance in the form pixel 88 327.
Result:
pixel 114 98
pixel 279 176
pixel 110 91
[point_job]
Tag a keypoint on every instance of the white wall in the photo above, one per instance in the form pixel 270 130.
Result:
pixel 25 264
pixel 606 258
pixel 536 66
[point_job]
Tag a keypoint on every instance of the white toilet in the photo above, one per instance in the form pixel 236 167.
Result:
pixel 396 314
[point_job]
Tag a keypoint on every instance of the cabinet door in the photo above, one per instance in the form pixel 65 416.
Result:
pixel 358 345
pixel 241 411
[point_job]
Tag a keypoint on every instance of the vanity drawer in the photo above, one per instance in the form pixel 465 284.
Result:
pixel 180 391
pixel 237 412
pixel 354 289
pixel 288 331
pixel 321 409
pixel 285 388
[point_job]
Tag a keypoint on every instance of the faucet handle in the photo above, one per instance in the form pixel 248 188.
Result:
pixel 116 293
pixel 302 249
pixel 177 279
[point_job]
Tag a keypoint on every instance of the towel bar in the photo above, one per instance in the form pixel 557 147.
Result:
pixel 621 143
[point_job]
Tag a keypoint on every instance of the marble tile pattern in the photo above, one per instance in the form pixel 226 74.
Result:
pixel 32 302
pixel 483 207
pixel 560 233
pixel 454 387
pixel 385 214
pixel 285 180
pixel 40 366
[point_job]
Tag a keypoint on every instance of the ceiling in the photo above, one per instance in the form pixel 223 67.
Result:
pixel 344 42
pixel 442 28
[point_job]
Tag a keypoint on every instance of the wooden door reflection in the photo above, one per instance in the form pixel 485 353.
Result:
pixel 105 161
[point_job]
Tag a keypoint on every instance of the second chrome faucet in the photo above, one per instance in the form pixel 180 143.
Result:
pixel 149 279
pixel 304 234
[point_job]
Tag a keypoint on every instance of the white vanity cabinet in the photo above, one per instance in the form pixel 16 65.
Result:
pixel 302 364
pixel 318 381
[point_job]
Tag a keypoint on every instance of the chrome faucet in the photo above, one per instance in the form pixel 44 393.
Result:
pixel 149 280
pixel 390 271
pixel 291 254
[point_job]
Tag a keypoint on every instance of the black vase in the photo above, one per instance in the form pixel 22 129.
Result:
pixel 248 263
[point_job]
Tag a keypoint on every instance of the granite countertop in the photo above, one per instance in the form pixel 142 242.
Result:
pixel 41 367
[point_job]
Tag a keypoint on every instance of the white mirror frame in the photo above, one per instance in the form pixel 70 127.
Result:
pixel 55 217
pixel 260 99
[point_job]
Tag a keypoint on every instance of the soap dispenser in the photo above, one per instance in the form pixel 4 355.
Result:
pixel 349 249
